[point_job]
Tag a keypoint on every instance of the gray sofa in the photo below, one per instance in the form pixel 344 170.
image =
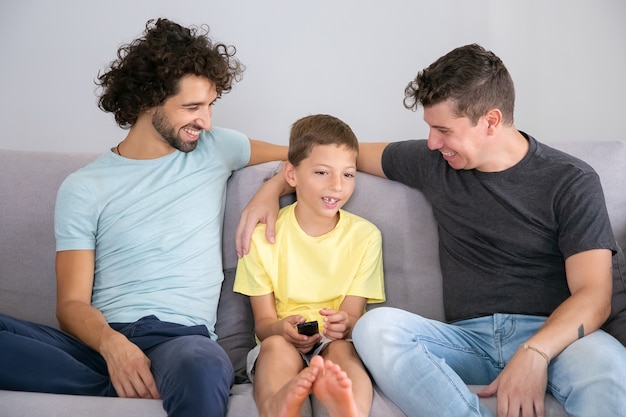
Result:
pixel 28 184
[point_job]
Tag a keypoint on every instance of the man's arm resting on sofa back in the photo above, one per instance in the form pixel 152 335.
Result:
pixel 370 158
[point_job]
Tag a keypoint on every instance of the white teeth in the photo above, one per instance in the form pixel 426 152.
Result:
pixel 192 131
pixel 448 153
pixel 330 200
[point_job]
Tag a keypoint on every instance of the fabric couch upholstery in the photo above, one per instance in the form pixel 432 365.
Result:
pixel 28 185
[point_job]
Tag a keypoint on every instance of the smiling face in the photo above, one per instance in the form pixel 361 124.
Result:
pixel 462 144
pixel 324 182
pixel 181 118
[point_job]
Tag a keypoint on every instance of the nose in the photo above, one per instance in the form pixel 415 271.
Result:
pixel 204 118
pixel 434 141
pixel 336 183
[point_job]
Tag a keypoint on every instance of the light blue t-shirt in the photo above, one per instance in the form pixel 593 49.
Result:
pixel 156 228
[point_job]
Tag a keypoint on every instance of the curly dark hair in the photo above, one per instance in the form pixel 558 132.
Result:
pixel 148 70
pixel 475 79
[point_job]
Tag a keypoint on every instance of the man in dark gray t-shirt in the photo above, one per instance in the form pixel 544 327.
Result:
pixel 526 252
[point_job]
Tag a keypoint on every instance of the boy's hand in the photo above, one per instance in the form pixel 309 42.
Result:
pixel 302 342
pixel 336 323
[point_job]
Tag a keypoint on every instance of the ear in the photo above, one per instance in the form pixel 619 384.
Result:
pixel 494 119
pixel 289 171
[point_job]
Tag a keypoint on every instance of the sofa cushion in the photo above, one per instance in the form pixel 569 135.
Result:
pixel 35 404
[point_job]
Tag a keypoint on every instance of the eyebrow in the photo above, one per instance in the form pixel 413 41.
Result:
pixel 193 104
pixel 322 165
pixel 198 103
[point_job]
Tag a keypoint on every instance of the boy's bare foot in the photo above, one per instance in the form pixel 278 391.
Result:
pixel 288 401
pixel 334 389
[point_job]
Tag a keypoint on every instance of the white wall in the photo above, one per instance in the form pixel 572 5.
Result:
pixel 350 58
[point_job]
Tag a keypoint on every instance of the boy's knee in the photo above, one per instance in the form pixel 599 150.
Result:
pixel 276 343
pixel 339 348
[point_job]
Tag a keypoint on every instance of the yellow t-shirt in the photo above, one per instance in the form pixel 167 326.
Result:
pixel 308 273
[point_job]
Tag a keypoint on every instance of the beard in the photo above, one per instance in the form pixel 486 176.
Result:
pixel 170 134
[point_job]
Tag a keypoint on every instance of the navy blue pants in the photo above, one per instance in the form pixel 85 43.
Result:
pixel 192 372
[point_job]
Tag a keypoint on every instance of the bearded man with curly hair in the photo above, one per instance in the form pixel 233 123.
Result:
pixel 138 235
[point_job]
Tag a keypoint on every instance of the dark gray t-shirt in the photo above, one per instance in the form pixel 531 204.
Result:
pixel 504 236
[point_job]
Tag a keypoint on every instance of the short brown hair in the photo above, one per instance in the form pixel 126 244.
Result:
pixel 474 79
pixel 318 129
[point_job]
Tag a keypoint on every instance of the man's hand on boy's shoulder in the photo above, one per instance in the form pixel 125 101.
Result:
pixel 262 208
pixel 258 210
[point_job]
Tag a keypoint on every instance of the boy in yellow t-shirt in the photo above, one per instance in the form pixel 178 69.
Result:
pixel 324 266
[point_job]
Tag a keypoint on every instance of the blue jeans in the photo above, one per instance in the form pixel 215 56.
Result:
pixel 192 372
pixel 424 365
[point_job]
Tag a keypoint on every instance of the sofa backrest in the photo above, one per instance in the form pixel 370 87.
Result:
pixel 29 182
pixel 28 185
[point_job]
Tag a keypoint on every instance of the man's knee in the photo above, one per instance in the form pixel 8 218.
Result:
pixel 373 322
pixel 195 376
pixel 204 359
pixel 382 322
pixel 192 360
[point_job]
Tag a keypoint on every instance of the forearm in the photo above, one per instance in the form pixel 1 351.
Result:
pixel 128 366
pixel 582 313
pixel 265 328
pixel 275 187
pixel 86 323
pixel 370 158
pixel 76 315
pixel 589 277
pixel 264 152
